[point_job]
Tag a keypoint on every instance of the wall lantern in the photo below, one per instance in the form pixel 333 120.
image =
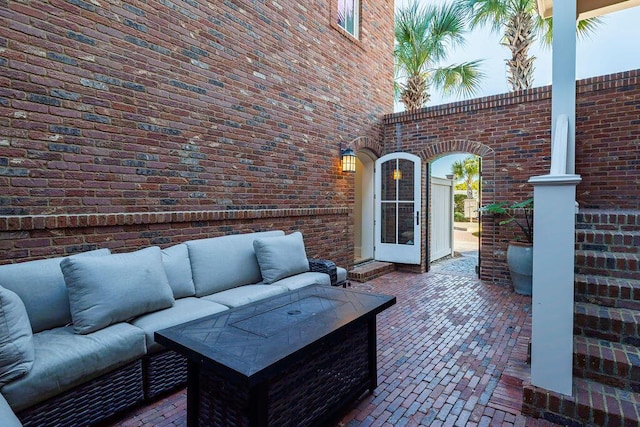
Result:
pixel 348 159
pixel 397 174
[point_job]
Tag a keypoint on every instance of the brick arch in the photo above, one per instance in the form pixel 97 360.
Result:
pixel 433 151
pixel 366 143
pixel 443 148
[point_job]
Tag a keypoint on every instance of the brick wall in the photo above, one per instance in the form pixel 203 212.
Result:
pixel 512 134
pixel 188 108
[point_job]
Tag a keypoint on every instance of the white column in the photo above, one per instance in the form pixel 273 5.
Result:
pixel 563 99
pixel 553 281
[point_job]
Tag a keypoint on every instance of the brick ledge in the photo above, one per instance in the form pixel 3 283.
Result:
pixel 41 222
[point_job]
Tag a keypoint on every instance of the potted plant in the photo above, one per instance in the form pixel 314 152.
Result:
pixel 519 251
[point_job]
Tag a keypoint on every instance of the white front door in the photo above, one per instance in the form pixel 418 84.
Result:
pixel 397 195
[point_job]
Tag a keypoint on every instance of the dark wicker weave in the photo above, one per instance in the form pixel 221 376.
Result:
pixel 90 402
pixel 309 391
pixel 163 372
pixel 324 266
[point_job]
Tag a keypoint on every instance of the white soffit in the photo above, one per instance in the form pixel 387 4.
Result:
pixel 589 8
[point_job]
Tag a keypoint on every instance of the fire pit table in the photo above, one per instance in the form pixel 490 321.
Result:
pixel 294 359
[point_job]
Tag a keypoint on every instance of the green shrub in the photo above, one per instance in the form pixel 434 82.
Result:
pixel 458 203
pixel 459 217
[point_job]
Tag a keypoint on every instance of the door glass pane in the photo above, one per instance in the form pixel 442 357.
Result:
pixel 406 192
pixel 388 190
pixel 388 222
pixel 405 224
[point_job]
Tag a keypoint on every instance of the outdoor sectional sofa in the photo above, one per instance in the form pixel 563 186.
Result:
pixel 77 333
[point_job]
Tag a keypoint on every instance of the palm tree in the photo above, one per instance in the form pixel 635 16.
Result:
pixel 520 25
pixel 466 169
pixel 424 36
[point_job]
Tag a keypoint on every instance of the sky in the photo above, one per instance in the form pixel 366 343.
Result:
pixel 614 47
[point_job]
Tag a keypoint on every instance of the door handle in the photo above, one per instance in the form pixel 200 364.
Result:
pixel 417 217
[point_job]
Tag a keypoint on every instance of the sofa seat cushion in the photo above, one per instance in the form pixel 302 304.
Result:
pixel 40 284
pixel 245 294
pixel 64 360
pixel 221 263
pixel 304 279
pixel 7 416
pixel 184 310
pixel 281 256
pixel 115 288
pixel 16 342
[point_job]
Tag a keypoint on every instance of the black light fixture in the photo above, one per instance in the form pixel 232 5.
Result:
pixel 348 159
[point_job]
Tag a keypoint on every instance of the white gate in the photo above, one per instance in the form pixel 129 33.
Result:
pixel 441 218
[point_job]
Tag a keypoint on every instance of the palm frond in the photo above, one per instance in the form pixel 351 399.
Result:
pixel 459 79
pixel 585 29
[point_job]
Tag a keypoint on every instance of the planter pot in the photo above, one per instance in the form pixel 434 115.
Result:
pixel 520 262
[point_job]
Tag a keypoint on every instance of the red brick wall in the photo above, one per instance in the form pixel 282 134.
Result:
pixel 171 106
pixel 512 134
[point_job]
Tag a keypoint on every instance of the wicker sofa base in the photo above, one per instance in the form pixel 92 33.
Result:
pixel 309 391
pixel 163 371
pixel 90 402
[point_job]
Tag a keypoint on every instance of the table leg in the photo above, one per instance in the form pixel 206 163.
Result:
pixel 259 405
pixel 193 393
pixel 373 355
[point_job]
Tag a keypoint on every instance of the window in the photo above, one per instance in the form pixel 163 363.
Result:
pixel 349 16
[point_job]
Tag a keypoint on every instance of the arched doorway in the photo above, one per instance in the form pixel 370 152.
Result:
pixel 454 180
pixel 364 207
pixel 433 152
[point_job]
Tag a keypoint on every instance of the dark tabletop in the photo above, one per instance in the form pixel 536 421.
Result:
pixel 249 341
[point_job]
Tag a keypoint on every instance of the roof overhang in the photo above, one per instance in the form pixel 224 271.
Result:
pixel 588 8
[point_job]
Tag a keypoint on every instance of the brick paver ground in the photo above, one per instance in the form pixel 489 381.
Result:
pixel 451 352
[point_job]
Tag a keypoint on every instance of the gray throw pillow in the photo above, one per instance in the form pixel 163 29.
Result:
pixel 114 288
pixel 178 268
pixel 16 344
pixel 40 286
pixel 281 257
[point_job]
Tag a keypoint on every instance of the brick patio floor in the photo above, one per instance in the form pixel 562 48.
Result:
pixel 451 352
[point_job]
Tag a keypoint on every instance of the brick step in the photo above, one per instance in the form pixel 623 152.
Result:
pixel 592 403
pixel 614 264
pixel 607 362
pixel 608 291
pixel 620 325
pixel 608 240
pixel 596 219
pixel 370 270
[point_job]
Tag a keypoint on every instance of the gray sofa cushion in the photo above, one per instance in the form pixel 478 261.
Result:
pixel 225 262
pixel 184 310
pixel 303 279
pixel 281 256
pixel 245 294
pixel 16 346
pixel 114 288
pixel 64 360
pixel 40 285
pixel 178 268
pixel 7 416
